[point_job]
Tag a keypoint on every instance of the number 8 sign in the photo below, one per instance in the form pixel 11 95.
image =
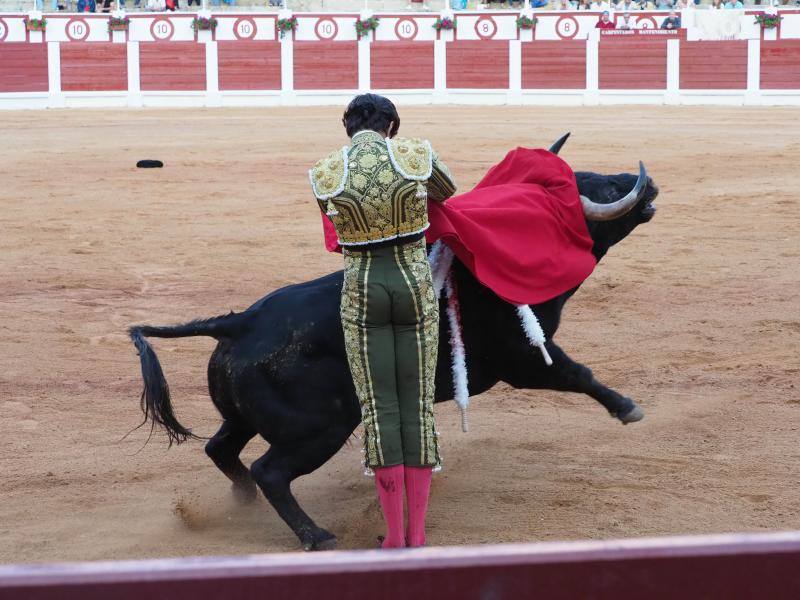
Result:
pixel 567 27
pixel 485 28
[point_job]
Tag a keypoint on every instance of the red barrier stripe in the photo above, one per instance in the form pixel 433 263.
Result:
pixel 249 65
pixel 23 67
pixel 401 65
pixel 325 65
pixel 94 67
pixel 477 64
pixel 554 65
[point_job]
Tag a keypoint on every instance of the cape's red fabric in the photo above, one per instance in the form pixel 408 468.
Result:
pixel 521 230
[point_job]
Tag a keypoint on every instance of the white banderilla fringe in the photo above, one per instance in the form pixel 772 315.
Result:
pixel 533 331
pixel 441 260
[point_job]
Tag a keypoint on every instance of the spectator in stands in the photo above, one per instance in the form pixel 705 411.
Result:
pixel 564 5
pixel 664 4
pixel 583 5
pixel 673 21
pixel 627 6
pixel 605 21
pixel 716 5
pixel 87 6
pixel 734 4
pixel 626 22
pixel 601 5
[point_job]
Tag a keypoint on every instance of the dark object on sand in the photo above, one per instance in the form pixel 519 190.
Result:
pixel 149 164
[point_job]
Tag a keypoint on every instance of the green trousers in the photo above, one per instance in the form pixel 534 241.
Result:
pixel 391 330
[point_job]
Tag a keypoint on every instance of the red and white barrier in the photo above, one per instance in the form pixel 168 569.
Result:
pixel 564 59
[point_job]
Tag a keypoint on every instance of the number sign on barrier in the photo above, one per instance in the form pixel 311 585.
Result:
pixel 485 28
pixel 406 29
pixel 245 28
pixel 162 29
pixel 77 30
pixel 3 30
pixel 326 28
pixel 567 27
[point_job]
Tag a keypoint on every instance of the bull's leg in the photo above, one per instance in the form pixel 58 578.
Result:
pixel 275 471
pixel 566 375
pixel 224 448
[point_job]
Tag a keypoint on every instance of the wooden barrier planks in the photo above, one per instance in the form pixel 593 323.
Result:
pixel 780 65
pixel 718 65
pixel 632 64
pixel 401 65
pixel 325 65
pixel 249 65
pixel 23 67
pixel 721 566
pixel 477 64
pixel 554 64
pixel 172 66
pixel 94 67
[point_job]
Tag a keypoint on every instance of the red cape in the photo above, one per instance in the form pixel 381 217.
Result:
pixel 521 230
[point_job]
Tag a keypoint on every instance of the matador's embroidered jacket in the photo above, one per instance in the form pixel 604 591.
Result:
pixel 375 190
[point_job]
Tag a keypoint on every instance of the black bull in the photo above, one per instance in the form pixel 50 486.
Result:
pixel 280 369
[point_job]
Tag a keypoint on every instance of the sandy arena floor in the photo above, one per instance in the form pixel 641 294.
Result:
pixel 696 316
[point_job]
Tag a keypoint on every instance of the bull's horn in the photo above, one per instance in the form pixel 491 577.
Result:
pixel 556 147
pixel 595 211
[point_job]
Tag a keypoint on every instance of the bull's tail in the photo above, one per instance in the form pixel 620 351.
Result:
pixel 155 401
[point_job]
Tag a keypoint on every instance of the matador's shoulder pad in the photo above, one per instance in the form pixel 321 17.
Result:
pixel 412 157
pixel 329 175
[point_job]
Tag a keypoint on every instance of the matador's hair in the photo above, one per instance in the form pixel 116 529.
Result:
pixel 370 111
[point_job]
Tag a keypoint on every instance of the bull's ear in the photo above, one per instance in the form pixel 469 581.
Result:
pixel 556 147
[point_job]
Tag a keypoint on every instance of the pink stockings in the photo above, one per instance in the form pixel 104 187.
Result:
pixel 389 483
pixel 418 488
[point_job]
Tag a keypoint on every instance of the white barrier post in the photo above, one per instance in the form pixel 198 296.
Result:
pixel 287 62
pixel 439 72
pixel 213 97
pixel 56 98
pixel 753 93
pixel 364 66
pixel 514 72
pixel 592 95
pixel 134 81
pixel 673 72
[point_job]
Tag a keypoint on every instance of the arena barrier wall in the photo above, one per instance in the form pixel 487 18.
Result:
pixel 161 61
pixel 717 566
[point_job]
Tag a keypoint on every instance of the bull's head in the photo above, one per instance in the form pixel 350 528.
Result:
pixel 614 205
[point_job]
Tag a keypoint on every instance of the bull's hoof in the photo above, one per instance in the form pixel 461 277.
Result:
pixel 325 541
pixel 244 493
pixel 632 415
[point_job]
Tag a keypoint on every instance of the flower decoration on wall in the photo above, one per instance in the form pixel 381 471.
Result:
pixel 445 23
pixel 204 24
pixel 768 21
pixel 35 24
pixel 524 22
pixel 118 24
pixel 285 26
pixel 364 26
